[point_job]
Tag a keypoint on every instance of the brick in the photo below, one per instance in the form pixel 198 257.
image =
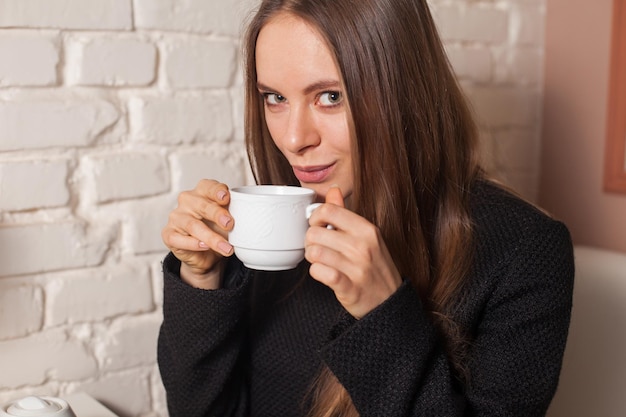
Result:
pixel 98 294
pixel 127 175
pixel 142 231
pixel 528 24
pixel 49 355
pixel 191 167
pixel 199 63
pixel 175 120
pixel 50 246
pixel 159 400
pixel 157 281
pixel 67 14
pixel 237 97
pixel 521 65
pixel 102 61
pixel 527 66
pixel 28 320
pixel 18 180
pixel 28 59
pixel 472 63
pixel 478 23
pixel 45 123
pixel 505 106
pixel 124 393
pixel 130 343
pixel 223 17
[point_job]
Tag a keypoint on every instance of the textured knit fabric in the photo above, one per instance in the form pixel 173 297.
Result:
pixel 254 347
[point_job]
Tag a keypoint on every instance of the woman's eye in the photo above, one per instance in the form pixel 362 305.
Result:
pixel 330 98
pixel 273 99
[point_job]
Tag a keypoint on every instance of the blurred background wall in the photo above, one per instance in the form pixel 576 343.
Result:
pixel 577 68
pixel 110 108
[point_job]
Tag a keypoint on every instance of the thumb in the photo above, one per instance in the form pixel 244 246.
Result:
pixel 334 196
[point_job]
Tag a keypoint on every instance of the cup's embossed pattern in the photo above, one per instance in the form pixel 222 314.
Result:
pixel 270 225
pixel 258 232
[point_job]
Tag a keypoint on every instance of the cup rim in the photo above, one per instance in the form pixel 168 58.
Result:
pixel 272 190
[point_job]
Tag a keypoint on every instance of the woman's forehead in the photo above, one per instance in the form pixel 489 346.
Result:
pixel 289 49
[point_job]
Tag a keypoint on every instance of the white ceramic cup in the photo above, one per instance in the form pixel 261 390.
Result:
pixel 270 225
pixel 37 407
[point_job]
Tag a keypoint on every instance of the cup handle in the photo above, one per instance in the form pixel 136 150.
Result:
pixel 311 208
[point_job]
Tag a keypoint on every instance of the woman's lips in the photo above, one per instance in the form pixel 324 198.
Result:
pixel 313 174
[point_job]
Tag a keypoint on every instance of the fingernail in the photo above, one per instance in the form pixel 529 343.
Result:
pixel 221 195
pixel 203 245
pixel 225 220
pixel 225 247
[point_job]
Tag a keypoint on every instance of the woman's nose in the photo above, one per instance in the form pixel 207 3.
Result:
pixel 301 132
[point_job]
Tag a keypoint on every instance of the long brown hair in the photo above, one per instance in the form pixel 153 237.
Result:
pixel 413 146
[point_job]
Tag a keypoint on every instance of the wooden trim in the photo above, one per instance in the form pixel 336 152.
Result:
pixel 615 163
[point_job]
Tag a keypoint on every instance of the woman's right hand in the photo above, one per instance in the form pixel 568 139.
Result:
pixel 196 233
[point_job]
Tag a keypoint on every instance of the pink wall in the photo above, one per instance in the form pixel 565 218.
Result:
pixel 578 37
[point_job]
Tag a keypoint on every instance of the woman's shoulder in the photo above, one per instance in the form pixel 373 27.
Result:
pixel 506 220
pixel 495 204
pixel 518 245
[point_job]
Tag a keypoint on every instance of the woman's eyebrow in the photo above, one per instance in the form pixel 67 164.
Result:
pixel 262 87
pixel 316 86
pixel 321 85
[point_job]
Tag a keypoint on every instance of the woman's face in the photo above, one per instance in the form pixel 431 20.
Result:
pixel 305 107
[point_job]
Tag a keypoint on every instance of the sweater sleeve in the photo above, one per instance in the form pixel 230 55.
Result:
pixel 200 345
pixel 392 361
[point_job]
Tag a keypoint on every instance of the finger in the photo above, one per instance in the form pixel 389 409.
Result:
pixel 330 277
pixel 327 250
pixel 315 253
pixel 204 198
pixel 338 218
pixel 345 291
pixel 205 236
pixel 213 190
pixel 332 255
pixel 202 208
pixel 334 196
pixel 177 241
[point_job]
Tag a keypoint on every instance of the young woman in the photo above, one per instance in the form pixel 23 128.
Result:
pixel 436 292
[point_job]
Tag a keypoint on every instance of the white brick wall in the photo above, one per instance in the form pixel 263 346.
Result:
pixel 108 109
pixel 67 14
pixel 34 120
pixel 19 175
pixel 102 61
pixel 178 53
pixel 28 59
pixel 496 49
pixel 184 118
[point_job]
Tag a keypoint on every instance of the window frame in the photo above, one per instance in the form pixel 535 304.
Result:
pixel 615 151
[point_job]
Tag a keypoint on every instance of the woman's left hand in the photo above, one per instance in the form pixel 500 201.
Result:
pixel 351 257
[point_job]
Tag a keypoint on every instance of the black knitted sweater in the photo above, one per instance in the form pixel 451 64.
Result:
pixel 254 347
